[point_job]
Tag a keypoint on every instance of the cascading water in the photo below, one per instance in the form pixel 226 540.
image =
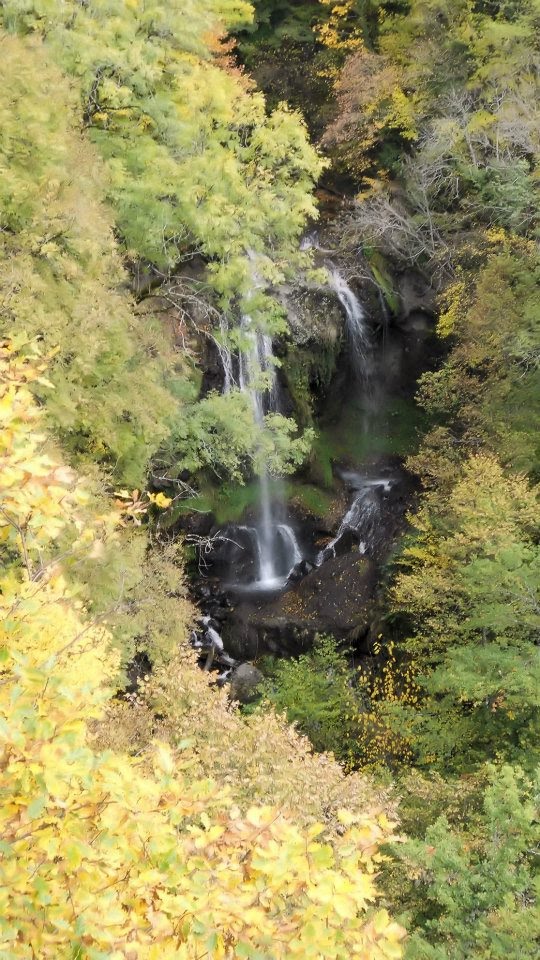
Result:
pixel 357 328
pixel 277 548
pixel 291 544
pixel 363 518
pixel 326 589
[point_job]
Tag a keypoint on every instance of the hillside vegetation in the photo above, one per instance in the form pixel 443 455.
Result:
pixel 150 201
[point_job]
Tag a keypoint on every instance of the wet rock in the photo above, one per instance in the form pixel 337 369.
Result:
pixel 314 316
pixel 235 554
pixel 195 523
pixel 241 634
pixel 416 294
pixel 300 571
pixel 336 599
pixel 245 681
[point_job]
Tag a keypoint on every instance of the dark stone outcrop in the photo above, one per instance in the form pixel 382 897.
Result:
pixel 416 295
pixel 336 598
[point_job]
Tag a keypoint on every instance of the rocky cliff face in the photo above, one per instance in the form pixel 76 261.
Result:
pixel 347 507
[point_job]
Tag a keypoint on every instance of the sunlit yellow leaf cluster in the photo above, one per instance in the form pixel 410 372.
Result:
pixel 340 31
pixel 35 491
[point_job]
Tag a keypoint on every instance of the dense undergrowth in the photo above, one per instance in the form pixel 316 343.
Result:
pixel 168 825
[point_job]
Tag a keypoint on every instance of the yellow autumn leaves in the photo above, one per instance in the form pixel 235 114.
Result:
pixel 99 857
pixel 39 498
pixel 102 858
pixel 35 489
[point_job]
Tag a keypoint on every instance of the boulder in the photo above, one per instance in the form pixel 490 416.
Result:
pixel 245 681
pixel 336 598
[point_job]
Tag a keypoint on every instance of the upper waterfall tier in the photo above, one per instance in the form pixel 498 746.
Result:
pixel 358 331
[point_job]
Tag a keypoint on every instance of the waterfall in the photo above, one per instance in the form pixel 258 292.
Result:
pixel 268 572
pixel 225 355
pixel 277 548
pixel 362 518
pixel 357 328
pixel 287 534
pixel 270 540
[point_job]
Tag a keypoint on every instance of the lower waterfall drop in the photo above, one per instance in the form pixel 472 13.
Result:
pixel 363 517
pixel 277 547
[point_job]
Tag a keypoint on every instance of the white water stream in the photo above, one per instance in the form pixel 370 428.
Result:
pixel 277 549
pixel 363 518
pixel 355 321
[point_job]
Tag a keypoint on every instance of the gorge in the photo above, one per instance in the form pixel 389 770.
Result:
pixel 269 480
pixel 280 556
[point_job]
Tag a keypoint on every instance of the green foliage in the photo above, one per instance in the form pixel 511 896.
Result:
pixel 474 887
pixel 308 370
pixel 488 389
pixel 145 598
pixel 469 591
pixel 342 707
pixel 65 282
pixel 275 21
pixel 194 161
pixel 221 435
pixel 311 499
pixel 384 280
pixel 316 693
pixel 62 275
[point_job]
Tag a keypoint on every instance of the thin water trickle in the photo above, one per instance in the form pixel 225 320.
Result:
pixel 362 518
pixel 357 329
